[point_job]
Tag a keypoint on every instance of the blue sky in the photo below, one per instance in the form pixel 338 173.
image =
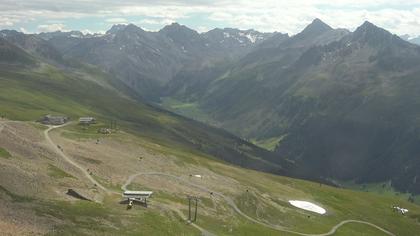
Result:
pixel 399 17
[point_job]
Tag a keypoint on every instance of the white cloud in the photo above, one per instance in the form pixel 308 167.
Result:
pixel 7 21
pixel 202 29
pixel 51 28
pixel 156 21
pixel 23 30
pixel 116 20
pixel 401 17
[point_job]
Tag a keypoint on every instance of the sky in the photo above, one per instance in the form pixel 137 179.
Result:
pixel 90 16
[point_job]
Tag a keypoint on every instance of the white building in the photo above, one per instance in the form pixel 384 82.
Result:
pixel 140 196
pixel 87 120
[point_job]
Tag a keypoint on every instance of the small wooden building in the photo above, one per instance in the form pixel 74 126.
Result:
pixel 87 120
pixel 54 120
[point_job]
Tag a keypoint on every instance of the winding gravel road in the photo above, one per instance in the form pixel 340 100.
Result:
pixel 91 179
pixel 69 160
pixel 236 208
pixel 202 188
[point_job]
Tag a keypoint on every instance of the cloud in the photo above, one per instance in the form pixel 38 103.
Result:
pixel 401 17
pixel 116 20
pixel 7 21
pixel 202 29
pixel 156 21
pixel 51 28
pixel 23 30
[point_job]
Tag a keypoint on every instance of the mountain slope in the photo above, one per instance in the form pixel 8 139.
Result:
pixel 28 93
pixel 360 111
pixel 11 54
pixel 35 179
pixel 146 61
pixel 342 105
pixel 238 90
pixel 33 44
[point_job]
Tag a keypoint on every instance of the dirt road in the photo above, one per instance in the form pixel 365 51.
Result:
pixel 236 208
pixel 92 180
pixel 61 153
pixel 202 188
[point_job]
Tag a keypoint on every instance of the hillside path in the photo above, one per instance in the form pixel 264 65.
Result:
pixel 91 179
pixel 68 159
pixel 202 188
pixel 236 208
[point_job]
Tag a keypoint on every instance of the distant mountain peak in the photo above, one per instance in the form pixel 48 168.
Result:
pixel 368 26
pixel 179 33
pixel 373 34
pixel 318 21
pixel 115 28
pixel 316 27
pixel 232 36
pixel 176 27
pixel 175 24
pixel 132 27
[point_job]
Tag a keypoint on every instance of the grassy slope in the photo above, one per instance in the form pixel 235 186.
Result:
pixel 269 144
pixel 266 201
pixel 193 111
pixel 268 196
pixel 341 204
pixel 89 218
pixel 384 189
pixel 190 110
pixel 28 94
pixel 58 173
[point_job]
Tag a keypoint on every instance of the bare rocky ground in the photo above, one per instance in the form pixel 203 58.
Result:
pixel 36 171
pixel 111 162
pixel 115 158
pixel 26 173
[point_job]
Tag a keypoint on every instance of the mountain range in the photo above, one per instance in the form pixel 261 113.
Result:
pixel 341 105
pixel 145 60
pixel 35 80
